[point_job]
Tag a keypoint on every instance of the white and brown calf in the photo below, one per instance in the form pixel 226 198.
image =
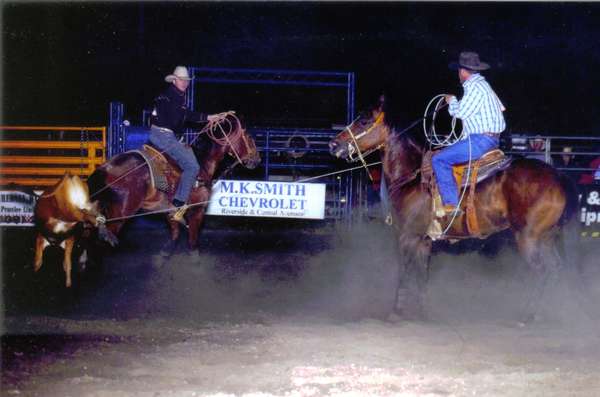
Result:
pixel 57 212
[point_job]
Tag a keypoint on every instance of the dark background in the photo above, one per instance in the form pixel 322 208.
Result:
pixel 64 62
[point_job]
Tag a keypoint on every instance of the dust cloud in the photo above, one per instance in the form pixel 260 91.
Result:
pixel 342 272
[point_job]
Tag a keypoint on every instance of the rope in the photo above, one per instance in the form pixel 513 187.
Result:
pixel 208 129
pixel 212 126
pixel 450 139
pixel 208 201
pixel 432 137
pixel 355 139
pixel 338 172
pixel 360 156
pixel 232 135
pixel 462 196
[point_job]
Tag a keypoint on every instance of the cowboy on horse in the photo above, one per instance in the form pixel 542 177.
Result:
pixel 480 110
pixel 169 117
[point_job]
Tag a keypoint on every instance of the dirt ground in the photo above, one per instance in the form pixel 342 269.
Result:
pixel 293 311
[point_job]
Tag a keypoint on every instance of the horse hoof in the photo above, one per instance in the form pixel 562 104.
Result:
pixel 394 318
pixel 158 261
pixel 528 319
pixel 192 253
pixel 409 314
pixel 168 248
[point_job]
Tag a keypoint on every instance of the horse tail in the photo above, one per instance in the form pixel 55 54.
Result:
pixel 572 196
pixel 569 222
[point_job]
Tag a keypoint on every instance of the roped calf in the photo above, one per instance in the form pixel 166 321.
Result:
pixel 57 212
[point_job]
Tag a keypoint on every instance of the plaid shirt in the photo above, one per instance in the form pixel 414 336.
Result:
pixel 479 109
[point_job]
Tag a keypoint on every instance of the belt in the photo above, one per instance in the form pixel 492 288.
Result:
pixel 161 129
pixel 491 134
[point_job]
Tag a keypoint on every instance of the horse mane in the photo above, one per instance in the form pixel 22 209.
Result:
pixel 202 147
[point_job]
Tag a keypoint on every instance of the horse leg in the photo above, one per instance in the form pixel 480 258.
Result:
pixel 120 209
pixel 196 220
pixel 541 255
pixel 175 230
pixel 169 247
pixel 40 245
pixel 414 274
pixel 67 264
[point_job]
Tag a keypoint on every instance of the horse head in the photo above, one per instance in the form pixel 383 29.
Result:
pixel 235 140
pixel 363 136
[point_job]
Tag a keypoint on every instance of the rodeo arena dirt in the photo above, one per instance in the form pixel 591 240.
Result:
pixel 301 313
pixel 292 286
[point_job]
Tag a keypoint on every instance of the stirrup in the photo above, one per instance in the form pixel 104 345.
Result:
pixel 177 216
pixel 448 212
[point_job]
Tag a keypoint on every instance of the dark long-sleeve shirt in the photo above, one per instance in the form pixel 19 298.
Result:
pixel 171 111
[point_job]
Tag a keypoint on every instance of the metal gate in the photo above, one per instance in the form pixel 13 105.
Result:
pixel 39 156
pixel 290 151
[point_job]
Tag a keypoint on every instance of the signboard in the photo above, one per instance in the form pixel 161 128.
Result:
pixel 268 199
pixel 590 211
pixel 16 208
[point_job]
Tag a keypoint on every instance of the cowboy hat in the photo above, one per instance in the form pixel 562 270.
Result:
pixel 180 73
pixel 469 60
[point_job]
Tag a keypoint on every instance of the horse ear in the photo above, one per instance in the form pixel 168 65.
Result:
pixel 381 103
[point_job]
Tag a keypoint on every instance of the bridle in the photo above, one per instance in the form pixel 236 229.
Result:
pixel 405 179
pixel 353 145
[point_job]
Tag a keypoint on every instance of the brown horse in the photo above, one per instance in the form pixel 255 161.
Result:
pixel 529 197
pixel 124 185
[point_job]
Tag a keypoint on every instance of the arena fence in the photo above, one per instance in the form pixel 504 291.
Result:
pixel 39 156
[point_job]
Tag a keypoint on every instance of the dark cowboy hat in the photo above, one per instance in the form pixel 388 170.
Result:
pixel 469 60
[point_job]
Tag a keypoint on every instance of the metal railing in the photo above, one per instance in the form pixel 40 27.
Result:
pixel 40 155
pixel 582 150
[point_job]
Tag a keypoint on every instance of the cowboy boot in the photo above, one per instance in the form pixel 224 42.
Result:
pixel 179 209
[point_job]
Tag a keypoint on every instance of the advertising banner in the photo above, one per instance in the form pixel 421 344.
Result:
pixel 16 208
pixel 268 199
pixel 590 211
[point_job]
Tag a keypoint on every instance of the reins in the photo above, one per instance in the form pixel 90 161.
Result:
pixel 355 139
pixel 431 137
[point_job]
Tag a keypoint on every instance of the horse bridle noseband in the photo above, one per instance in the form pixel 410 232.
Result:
pixel 361 155
pixel 354 143
pixel 355 138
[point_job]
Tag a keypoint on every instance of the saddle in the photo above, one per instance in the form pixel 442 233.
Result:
pixel 486 166
pixel 161 169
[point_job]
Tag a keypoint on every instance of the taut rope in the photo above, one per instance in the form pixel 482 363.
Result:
pixel 211 126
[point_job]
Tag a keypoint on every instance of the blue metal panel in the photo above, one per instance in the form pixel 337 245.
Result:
pixel 272 142
pixel 271 82
pixel 307 78
pixel 350 99
pixel 135 137
pixel 115 139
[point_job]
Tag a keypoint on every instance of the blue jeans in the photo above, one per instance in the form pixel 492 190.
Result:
pixel 443 161
pixel 166 142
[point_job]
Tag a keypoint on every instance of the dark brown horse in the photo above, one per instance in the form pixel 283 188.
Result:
pixel 529 197
pixel 123 185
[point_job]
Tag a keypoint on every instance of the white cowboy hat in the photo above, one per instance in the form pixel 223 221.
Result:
pixel 180 73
